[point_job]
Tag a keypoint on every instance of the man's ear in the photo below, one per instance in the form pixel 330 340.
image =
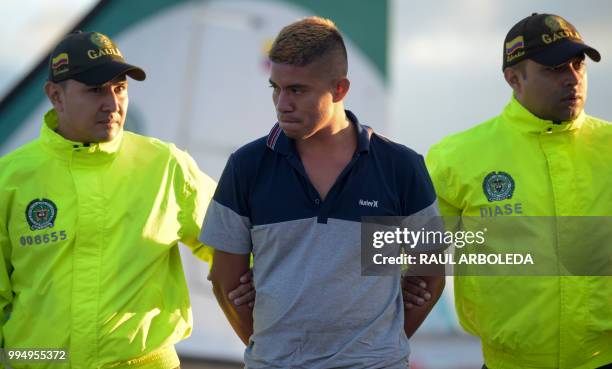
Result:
pixel 513 79
pixel 55 93
pixel 341 88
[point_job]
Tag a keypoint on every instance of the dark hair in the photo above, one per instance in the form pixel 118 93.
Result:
pixel 308 40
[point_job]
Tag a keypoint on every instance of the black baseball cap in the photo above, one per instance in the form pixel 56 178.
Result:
pixel 546 39
pixel 91 58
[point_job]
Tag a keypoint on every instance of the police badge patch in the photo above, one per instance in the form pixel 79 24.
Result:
pixel 41 214
pixel 498 186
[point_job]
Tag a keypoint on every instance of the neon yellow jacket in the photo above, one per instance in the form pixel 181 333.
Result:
pixel 555 170
pixel 89 236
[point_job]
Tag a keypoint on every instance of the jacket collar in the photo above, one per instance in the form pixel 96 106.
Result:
pixel 63 147
pixel 517 116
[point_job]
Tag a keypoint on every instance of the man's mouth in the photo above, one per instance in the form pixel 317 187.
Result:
pixel 572 98
pixel 106 121
pixel 288 120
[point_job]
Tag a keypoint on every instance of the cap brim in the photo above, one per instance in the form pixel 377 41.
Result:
pixel 564 51
pixel 101 74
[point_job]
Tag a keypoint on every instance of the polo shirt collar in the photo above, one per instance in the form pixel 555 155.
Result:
pixel 278 142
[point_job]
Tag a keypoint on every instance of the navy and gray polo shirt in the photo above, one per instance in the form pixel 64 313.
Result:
pixel 314 309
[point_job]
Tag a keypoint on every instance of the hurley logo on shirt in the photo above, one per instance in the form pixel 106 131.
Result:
pixel 369 203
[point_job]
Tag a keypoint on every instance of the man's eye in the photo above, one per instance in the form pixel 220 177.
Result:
pixel 579 64
pixel 556 69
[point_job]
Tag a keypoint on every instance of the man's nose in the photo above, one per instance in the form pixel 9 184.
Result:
pixel 111 101
pixel 284 102
pixel 573 76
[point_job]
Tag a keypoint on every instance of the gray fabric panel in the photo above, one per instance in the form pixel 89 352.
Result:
pixel 427 219
pixel 313 308
pixel 226 230
pixel 423 218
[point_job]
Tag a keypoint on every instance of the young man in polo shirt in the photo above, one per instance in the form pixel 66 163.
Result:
pixel 295 199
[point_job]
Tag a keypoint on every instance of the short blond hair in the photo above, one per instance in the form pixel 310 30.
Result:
pixel 308 40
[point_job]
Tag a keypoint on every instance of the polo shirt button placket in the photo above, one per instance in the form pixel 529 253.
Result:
pixel 321 211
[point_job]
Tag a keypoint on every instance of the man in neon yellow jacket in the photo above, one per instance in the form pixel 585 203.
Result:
pixel 543 156
pixel 90 221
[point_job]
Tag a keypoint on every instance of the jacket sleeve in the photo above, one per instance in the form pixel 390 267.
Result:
pixel 437 165
pixel 196 193
pixel 6 292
